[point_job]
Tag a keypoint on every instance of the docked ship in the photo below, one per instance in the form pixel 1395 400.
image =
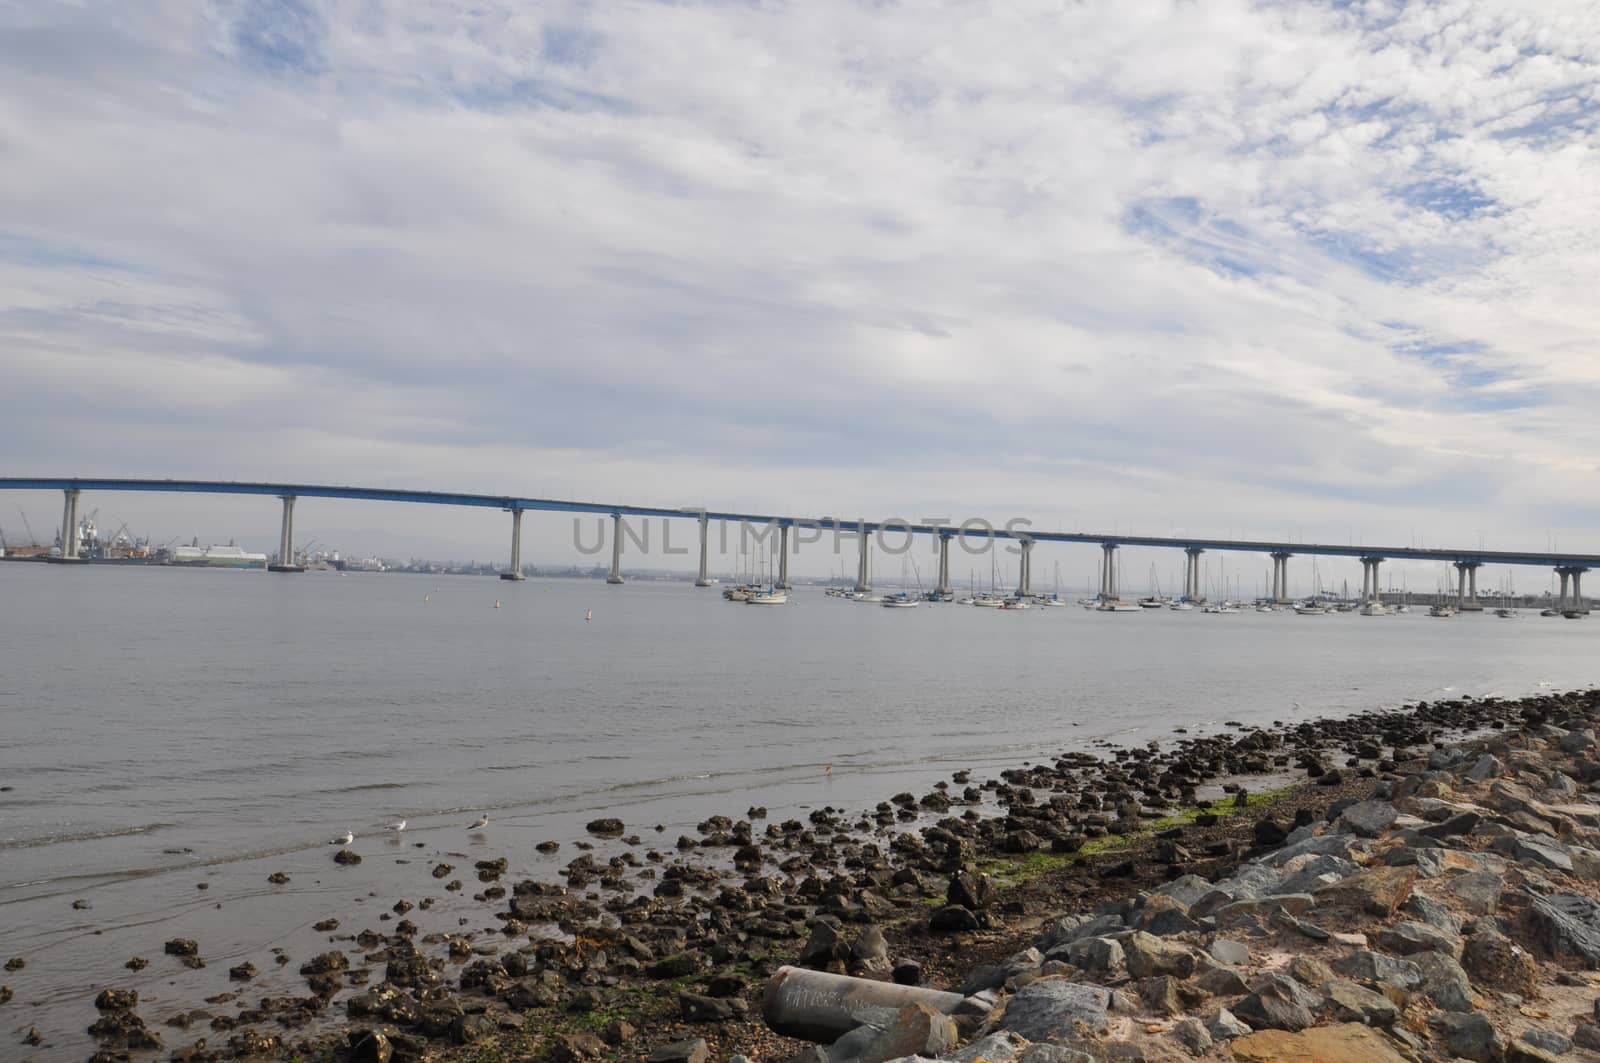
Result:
pixel 229 556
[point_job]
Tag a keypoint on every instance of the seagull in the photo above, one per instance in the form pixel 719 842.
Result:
pixel 398 827
pixel 483 821
pixel 344 839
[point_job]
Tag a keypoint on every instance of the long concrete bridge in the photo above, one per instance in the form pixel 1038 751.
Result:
pixel 1569 567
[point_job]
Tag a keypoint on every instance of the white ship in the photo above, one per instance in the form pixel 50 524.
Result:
pixel 229 556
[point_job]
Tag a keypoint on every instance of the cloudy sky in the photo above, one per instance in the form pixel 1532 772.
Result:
pixel 1323 270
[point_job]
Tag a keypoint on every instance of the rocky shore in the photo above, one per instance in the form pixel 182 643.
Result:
pixel 1418 884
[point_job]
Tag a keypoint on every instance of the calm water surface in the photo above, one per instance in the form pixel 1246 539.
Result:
pixel 163 728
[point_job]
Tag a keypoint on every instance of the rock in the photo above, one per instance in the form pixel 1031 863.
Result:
pixel 1369 819
pixel 1486 766
pixel 1443 981
pixel 952 919
pixel 1160 994
pixel 1269 833
pixel 969 891
pixel 1223 1026
pixel 1522 1050
pixel 914 1030
pixel 696 1008
pixel 117 1000
pixel 1431 912
pixel 1566 925
pixel 1148 956
pixel 5 994
pixel 243 972
pixel 369 1046
pixel 824 948
pixel 1349 1002
pixel 1478 891
pixel 1539 852
pixel 181 947
pixel 995 1048
pixel 1462 823
pixel 1409 938
pixel 1587 1035
pixel 1470 1035
pixel 691 1051
pixel 605 826
pixel 1193 1035
pixel 1375 967
pixel 1379 891
pixel 1345 1043
pixel 571 1047
pixel 677 965
pixel 1495 961
pixel 1269 1008
pixel 1099 955
pixel 346 857
pixel 1225 951
pixel 326 963
pixel 1048 1009
pixel 1222 982
pixel 1547 1041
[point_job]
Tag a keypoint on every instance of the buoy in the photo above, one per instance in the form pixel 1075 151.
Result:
pixel 497 603
pixel 424 599
pixel 588 617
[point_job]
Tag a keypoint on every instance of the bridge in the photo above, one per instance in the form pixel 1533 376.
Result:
pixel 1569 567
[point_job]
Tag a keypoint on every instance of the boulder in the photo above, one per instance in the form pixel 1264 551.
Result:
pixel 1269 1008
pixel 1470 1035
pixel 1379 891
pixel 1376 968
pixel 1443 981
pixel 1566 926
pixel 1349 1002
pixel 1369 819
pixel 1478 891
pixel 1050 1009
pixel 1149 955
pixel 914 1030
pixel 1345 1043
pixel 1493 960
pixel 690 1051
pixel 1224 1026
pixel 1409 938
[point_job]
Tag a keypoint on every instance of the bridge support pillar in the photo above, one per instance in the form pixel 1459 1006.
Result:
pixel 1371 590
pixel 514 572
pixel 69 529
pixel 616 549
pixel 1108 571
pixel 863 580
pixel 285 562
pixel 1025 570
pixel 1191 573
pixel 703 579
pixel 1467 587
pixel 783 557
pixel 1561 600
pixel 1578 604
pixel 1571 603
pixel 1280 578
pixel 943 587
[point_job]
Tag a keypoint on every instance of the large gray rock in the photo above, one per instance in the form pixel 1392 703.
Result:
pixel 1567 925
pixel 1368 818
pixel 1369 966
pixel 1047 1010
pixel 1272 1008
pixel 1431 912
pixel 1185 889
pixel 914 1030
pixel 1349 1002
pixel 1479 891
pixel 1149 955
pixel 1539 852
pixel 1443 981
pixel 1075 928
pixel 996 1048
pixel 1470 1036
pixel 1410 938
pixel 1224 1026
pixel 1224 950
pixel 1486 766
pixel 1095 955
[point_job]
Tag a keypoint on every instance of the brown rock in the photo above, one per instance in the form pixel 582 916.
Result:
pixel 1346 1043
pixel 1379 891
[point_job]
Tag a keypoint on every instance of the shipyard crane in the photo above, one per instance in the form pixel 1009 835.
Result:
pixel 31 540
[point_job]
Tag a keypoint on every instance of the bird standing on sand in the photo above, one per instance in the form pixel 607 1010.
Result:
pixel 344 839
pixel 483 821
pixel 397 827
